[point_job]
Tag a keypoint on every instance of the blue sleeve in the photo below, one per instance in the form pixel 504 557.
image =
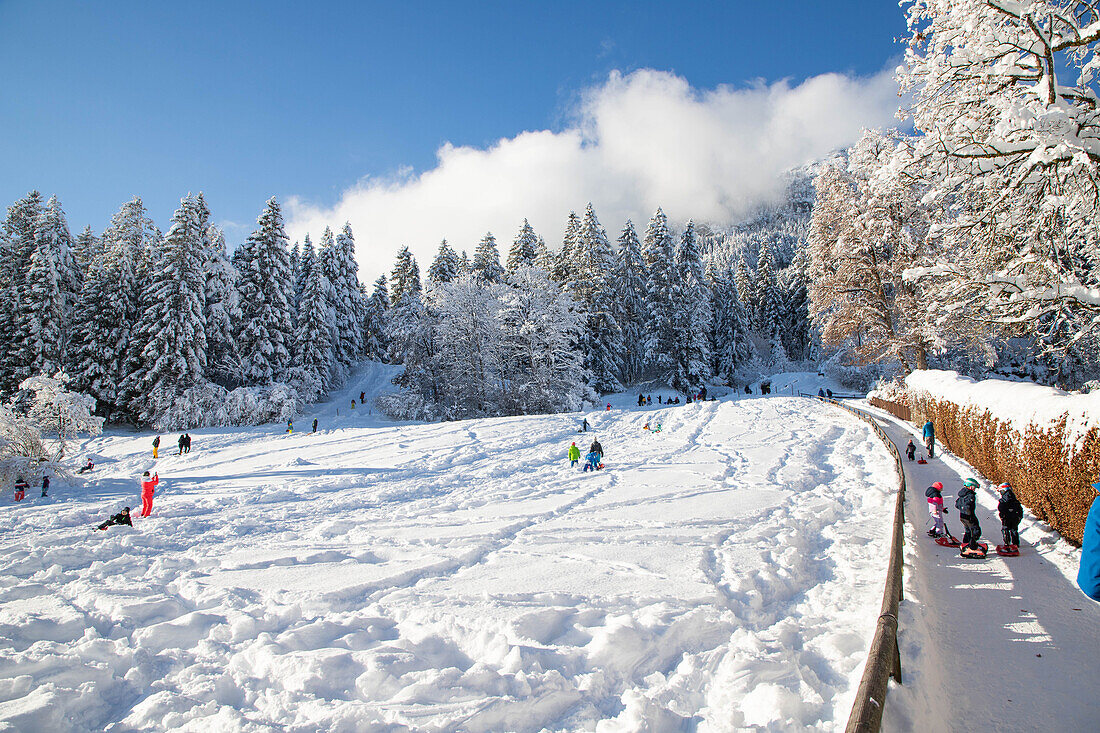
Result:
pixel 1088 576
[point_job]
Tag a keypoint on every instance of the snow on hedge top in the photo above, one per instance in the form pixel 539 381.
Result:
pixel 1018 403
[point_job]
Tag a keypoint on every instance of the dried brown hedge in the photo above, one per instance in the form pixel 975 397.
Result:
pixel 1050 478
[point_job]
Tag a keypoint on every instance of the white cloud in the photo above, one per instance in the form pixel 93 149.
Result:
pixel 638 141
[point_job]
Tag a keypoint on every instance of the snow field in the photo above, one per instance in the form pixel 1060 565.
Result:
pixel 720 575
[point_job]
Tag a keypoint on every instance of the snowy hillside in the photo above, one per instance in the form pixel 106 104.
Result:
pixel 458 576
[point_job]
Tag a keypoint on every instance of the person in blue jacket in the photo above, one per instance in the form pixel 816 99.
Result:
pixel 930 438
pixel 1088 575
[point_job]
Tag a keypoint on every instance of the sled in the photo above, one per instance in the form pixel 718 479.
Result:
pixel 948 541
pixel 978 554
pixel 1008 550
pixel 921 460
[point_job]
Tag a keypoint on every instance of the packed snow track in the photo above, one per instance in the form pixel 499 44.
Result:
pixel 719 575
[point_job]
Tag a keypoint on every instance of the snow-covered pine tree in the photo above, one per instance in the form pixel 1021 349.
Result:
pixel 592 286
pixel 173 326
pixel 796 307
pixel 691 317
pixel 405 278
pixel 295 273
pixel 631 312
pixel 465 267
pixel 486 268
pixel 376 321
pixel 445 266
pixel 659 254
pixel 770 300
pixel 266 321
pixel 562 271
pixel 543 257
pixel 313 349
pixel 223 312
pixel 746 290
pixel 86 247
pixel 107 351
pixel 19 245
pixel 50 290
pixel 348 306
pixel 305 254
pixel 732 346
pixel 523 251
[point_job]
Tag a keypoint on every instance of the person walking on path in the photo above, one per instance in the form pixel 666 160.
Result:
pixel 966 504
pixel 181 441
pixel 910 449
pixel 315 425
pixel 584 426
pixel 156 446
pixel 1088 574
pixel 574 455
pixel 362 397
pixel 122 517
pixel 1011 512
pixel 930 438
pixel 147 485
pixel 186 442
pixel 935 509
pixel 597 449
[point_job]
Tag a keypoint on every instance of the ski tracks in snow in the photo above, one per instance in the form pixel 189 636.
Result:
pixel 461 577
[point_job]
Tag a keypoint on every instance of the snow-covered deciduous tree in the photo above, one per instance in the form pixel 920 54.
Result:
pixel 523 251
pixel 630 310
pixel 861 242
pixel 540 324
pixel 173 327
pixel 266 322
pixel 486 267
pixel 1004 95
pixel 445 266
pixel 56 411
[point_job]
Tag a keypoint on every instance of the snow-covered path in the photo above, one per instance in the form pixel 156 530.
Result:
pixel 720 574
pixel 1005 644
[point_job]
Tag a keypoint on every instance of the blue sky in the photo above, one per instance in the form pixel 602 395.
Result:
pixel 243 100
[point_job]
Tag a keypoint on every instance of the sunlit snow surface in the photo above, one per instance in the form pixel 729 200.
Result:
pixel 721 574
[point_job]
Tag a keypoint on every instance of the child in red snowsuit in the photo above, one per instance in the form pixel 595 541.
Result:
pixel 147 486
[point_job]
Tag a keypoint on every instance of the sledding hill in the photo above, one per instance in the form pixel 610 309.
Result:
pixel 457 576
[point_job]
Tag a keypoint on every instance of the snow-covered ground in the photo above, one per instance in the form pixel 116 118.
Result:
pixel 1000 644
pixel 721 574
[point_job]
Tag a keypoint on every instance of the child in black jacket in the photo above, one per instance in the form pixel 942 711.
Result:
pixel 1011 512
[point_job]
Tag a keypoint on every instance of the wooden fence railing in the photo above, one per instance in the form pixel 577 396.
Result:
pixel 897 409
pixel 884 659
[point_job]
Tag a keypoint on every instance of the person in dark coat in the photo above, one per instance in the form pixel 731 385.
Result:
pixel 362 397
pixel 156 446
pixel 597 449
pixel 1011 512
pixel 820 392
pixel 315 425
pixel 87 467
pixel 122 517
pixel 181 441
pixel 584 425
pixel 910 450
pixel 1088 573
pixel 966 503
pixel 186 443
pixel 21 487
pixel 45 485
